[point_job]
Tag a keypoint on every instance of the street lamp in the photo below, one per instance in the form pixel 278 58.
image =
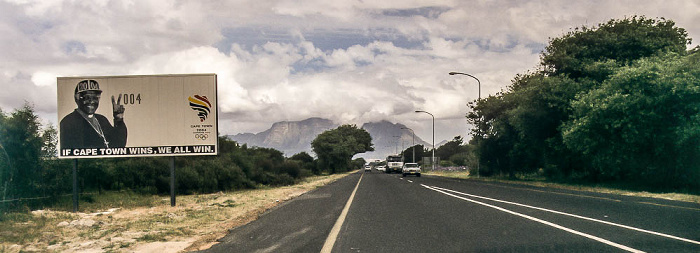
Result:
pixel 478 164
pixel 396 144
pixel 433 158
pixel 413 147
pixel 402 142
pixel 477 80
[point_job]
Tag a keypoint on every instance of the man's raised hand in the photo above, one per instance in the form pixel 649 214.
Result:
pixel 118 108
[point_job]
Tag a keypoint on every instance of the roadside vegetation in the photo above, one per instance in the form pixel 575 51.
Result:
pixel 617 104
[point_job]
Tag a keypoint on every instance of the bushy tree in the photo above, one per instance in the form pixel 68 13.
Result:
pixel 420 152
pixel 336 147
pixel 302 157
pixel 578 53
pixel 358 163
pixel 21 142
pixel 450 148
pixel 605 104
pixel 642 123
pixel 308 164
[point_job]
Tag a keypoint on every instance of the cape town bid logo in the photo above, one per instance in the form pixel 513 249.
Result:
pixel 201 105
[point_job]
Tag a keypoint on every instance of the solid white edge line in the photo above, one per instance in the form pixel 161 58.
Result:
pixel 330 240
pixel 575 216
pixel 620 246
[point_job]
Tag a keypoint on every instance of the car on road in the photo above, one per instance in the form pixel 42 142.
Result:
pixel 368 168
pixel 381 168
pixel 410 169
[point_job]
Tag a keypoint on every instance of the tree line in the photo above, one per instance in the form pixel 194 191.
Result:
pixel 616 103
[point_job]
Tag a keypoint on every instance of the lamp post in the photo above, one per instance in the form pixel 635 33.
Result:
pixel 478 164
pixel 413 143
pixel 477 80
pixel 432 160
pixel 396 144
pixel 402 148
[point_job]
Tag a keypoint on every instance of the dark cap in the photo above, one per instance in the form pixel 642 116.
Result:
pixel 87 85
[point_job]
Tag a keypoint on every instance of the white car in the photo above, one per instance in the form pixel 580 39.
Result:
pixel 410 169
pixel 381 168
pixel 368 168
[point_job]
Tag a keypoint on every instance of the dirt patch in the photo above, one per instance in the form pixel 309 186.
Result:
pixel 195 223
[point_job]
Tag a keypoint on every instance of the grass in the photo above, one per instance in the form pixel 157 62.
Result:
pixel 152 237
pixel 22 228
pixel 137 220
pixel 92 202
pixel 535 180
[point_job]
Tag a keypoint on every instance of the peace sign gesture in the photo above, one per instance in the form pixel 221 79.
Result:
pixel 118 108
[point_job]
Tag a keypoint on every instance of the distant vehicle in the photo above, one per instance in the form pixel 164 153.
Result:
pixel 368 168
pixel 381 168
pixel 411 169
pixel 394 163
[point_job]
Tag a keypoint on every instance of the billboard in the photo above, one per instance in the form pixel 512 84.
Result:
pixel 135 116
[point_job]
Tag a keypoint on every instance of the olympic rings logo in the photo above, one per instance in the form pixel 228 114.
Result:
pixel 201 136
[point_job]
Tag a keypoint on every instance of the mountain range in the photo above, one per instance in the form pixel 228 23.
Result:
pixel 292 137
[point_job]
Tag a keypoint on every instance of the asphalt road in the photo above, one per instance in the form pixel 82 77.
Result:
pixel 389 213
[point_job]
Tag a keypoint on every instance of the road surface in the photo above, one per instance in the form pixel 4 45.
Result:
pixel 377 212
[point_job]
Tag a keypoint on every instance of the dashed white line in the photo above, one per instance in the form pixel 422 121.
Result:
pixel 409 181
pixel 620 246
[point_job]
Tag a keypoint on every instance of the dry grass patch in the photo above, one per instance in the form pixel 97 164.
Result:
pixel 450 174
pixel 195 223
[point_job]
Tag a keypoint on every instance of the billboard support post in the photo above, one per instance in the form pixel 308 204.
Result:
pixel 172 181
pixel 75 185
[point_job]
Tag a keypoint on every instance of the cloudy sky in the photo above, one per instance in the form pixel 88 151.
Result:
pixel 348 61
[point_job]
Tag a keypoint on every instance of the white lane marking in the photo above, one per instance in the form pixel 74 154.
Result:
pixel 409 181
pixel 575 216
pixel 620 246
pixel 333 236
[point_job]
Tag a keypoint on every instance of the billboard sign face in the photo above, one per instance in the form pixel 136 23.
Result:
pixel 135 116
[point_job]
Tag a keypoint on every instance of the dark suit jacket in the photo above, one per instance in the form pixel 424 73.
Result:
pixel 76 132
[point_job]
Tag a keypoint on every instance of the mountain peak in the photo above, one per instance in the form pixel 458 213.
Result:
pixel 292 137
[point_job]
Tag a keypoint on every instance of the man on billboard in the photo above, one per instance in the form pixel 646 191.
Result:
pixel 83 128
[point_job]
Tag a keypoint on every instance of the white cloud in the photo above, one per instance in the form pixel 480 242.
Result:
pixel 38 7
pixel 232 96
pixel 44 79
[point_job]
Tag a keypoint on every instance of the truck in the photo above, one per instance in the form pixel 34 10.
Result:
pixel 394 163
